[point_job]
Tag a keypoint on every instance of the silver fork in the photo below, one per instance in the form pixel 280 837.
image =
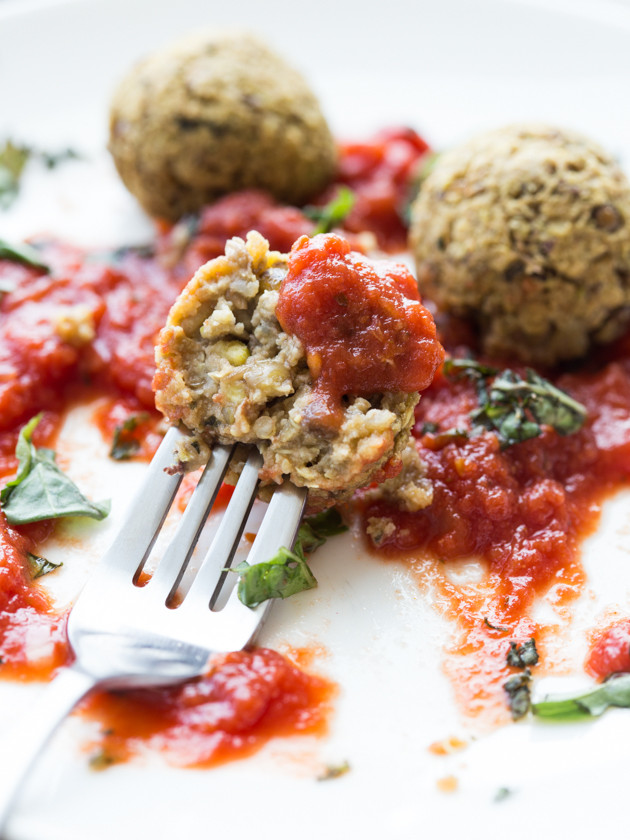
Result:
pixel 126 635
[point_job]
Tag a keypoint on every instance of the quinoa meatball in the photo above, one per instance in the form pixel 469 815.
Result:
pixel 228 372
pixel 526 231
pixel 213 114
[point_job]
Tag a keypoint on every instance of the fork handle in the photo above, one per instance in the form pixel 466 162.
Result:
pixel 32 731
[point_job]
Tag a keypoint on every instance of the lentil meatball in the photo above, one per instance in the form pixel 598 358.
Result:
pixel 228 372
pixel 213 114
pixel 526 230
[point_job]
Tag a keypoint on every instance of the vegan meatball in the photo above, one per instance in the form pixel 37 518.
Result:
pixel 526 231
pixel 228 372
pixel 213 114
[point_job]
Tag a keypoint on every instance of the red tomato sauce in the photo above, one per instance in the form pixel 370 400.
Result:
pixel 381 172
pixel 610 650
pixel 91 323
pixel 246 699
pixel 360 321
pixel 523 511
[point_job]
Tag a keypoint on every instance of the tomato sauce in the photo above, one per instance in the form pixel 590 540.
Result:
pixel 246 699
pixel 361 323
pixel 523 511
pixel 610 650
pixel 91 323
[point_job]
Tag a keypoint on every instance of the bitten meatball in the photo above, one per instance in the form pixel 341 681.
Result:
pixel 526 231
pixel 213 114
pixel 228 372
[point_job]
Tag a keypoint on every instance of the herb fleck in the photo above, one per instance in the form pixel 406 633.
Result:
pixel 124 444
pixel 521 656
pixel 40 566
pixel 334 771
pixel 518 691
pixel 332 214
pixel 513 407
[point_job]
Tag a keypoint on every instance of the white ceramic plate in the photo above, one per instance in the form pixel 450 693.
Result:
pixel 447 68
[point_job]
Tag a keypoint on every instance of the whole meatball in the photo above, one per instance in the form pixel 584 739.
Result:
pixel 213 114
pixel 526 231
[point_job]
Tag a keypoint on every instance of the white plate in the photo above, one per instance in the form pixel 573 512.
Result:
pixel 447 68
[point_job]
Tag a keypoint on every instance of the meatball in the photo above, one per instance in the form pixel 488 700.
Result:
pixel 526 231
pixel 213 114
pixel 229 373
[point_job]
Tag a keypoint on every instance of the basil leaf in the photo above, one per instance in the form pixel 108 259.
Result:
pixel 13 159
pixel 315 530
pixel 522 656
pixel 25 254
pixel 40 566
pixel 516 408
pixel 284 575
pixel 332 214
pixel 518 691
pixel 334 771
pixel 614 692
pixel 288 572
pixel 124 444
pixel 40 490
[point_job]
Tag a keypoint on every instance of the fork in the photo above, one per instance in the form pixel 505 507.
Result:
pixel 125 634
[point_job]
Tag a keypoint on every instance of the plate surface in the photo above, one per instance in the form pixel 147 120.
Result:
pixel 448 69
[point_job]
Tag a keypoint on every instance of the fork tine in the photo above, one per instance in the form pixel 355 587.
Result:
pixel 235 622
pixel 172 565
pixel 146 514
pixel 228 534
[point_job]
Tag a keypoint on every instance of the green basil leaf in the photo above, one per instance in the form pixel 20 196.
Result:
pixel 516 408
pixel 614 692
pixel 284 575
pixel 40 490
pixel 316 529
pixel 124 444
pixel 13 159
pixel 522 656
pixel 25 254
pixel 40 566
pixel 518 691
pixel 332 214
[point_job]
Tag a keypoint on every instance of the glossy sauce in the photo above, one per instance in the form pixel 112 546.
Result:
pixel 610 650
pixel 246 699
pixel 522 511
pixel 361 323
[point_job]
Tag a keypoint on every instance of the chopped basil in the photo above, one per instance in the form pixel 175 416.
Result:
pixel 614 692
pixel 334 771
pixel 288 572
pixel 40 566
pixel 23 253
pixel 124 445
pixel 497 627
pixel 102 759
pixel 40 490
pixel 284 575
pixel 332 214
pixel 522 656
pixel 516 408
pixel 429 428
pixel 518 691
pixel 13 159
pixel 315 530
